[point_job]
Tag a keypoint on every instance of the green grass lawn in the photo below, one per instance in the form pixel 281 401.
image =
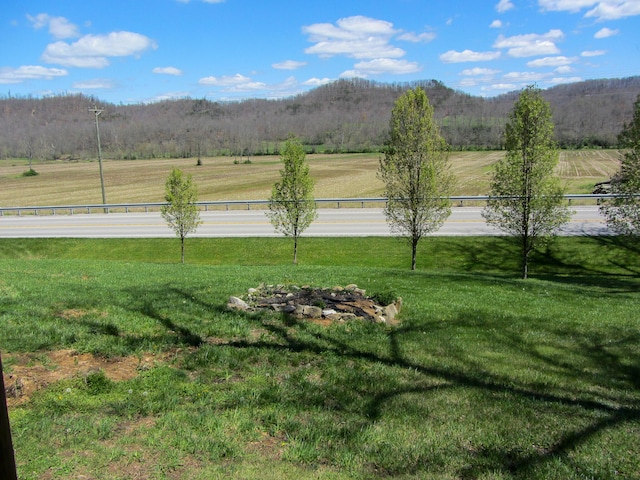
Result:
pixel 487 377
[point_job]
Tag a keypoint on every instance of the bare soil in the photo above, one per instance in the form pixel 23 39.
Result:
pixel 30 372
pixel 26 373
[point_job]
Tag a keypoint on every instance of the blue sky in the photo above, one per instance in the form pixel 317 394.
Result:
pixel 148 50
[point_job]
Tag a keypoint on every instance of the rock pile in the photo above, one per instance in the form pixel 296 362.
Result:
pixel 337 304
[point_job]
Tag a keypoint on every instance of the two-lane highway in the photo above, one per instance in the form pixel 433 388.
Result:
pixel 344 222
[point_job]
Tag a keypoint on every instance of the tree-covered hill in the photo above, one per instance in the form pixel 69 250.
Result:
pixel 342 116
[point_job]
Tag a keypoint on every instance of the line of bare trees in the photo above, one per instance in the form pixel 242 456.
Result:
pixel 343 116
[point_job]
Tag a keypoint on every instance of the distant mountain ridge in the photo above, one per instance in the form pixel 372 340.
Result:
pixel 342 116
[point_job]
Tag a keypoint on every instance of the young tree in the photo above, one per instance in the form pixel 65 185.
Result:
pixel 415 171
pixel 623 212
pixel 525 198
pixel 292 207
pixel 181 211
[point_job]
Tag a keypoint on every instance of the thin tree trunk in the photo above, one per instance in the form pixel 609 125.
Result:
pixel 414 251
pixel 525 257
pixel 182 249
pixel 295 250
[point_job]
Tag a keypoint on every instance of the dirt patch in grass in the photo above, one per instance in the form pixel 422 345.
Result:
pixel 268 446
pixel 30 372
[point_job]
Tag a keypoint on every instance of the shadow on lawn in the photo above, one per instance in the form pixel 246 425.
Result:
pixel 185 334
pixel 513 460
pixel 595 362
pixel 599 365
pixel 612 262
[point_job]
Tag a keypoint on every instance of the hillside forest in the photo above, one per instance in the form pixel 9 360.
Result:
pixel 343 116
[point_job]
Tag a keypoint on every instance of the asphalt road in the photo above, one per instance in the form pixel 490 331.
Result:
pixel 345 222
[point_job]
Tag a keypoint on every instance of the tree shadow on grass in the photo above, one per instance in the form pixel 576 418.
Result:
pixel 516 459
pixel 591 370
pixel 185 334
pixel 485 255
pixel 614 264
pixel 100 328
pixel 627 249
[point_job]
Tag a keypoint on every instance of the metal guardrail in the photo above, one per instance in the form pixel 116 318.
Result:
pixel 227 204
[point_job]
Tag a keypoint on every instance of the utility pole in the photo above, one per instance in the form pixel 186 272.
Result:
pixel 97 112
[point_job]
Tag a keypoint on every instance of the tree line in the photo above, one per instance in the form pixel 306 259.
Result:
pixel 342 116
pixel 525 200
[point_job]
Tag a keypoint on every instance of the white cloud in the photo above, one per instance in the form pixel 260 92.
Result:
pixel 366 48
pixel 469 82
pixel 355 37
pixel 368 40
pixel 525 77
pixel 477 76
pixel 468 56
pixel 167 71
pixel 288 65
pixel 565 5
pixel 527 39
pixel 531 44
pixel 288 87
pixel 504 5
pixel 241 84
pixel 316 82
pixel 59 27
pixel 233 83
pixel 614 9
pixel 380 66
pixel 29 72
pixel 551 62
pixel 415 38
pixel 478 71
pixel 496 24
pixel 602 9
pixel 352 74
pixel 564 69
pixel 95 84
pixel 92 51
pixel 246 87
pixel 225 81
pixel 559 80
pixel 593 53
pixel 349 28
pixel 500 86
pixel 606 32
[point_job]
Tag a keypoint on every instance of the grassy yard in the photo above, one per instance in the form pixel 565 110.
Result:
pixel 336 176
pixel 130 366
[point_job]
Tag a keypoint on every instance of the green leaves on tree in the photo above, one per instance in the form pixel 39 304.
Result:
pixel 623 212
pixel 292 207
pixel 181 211
pixel 526 197
pixel 415 171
